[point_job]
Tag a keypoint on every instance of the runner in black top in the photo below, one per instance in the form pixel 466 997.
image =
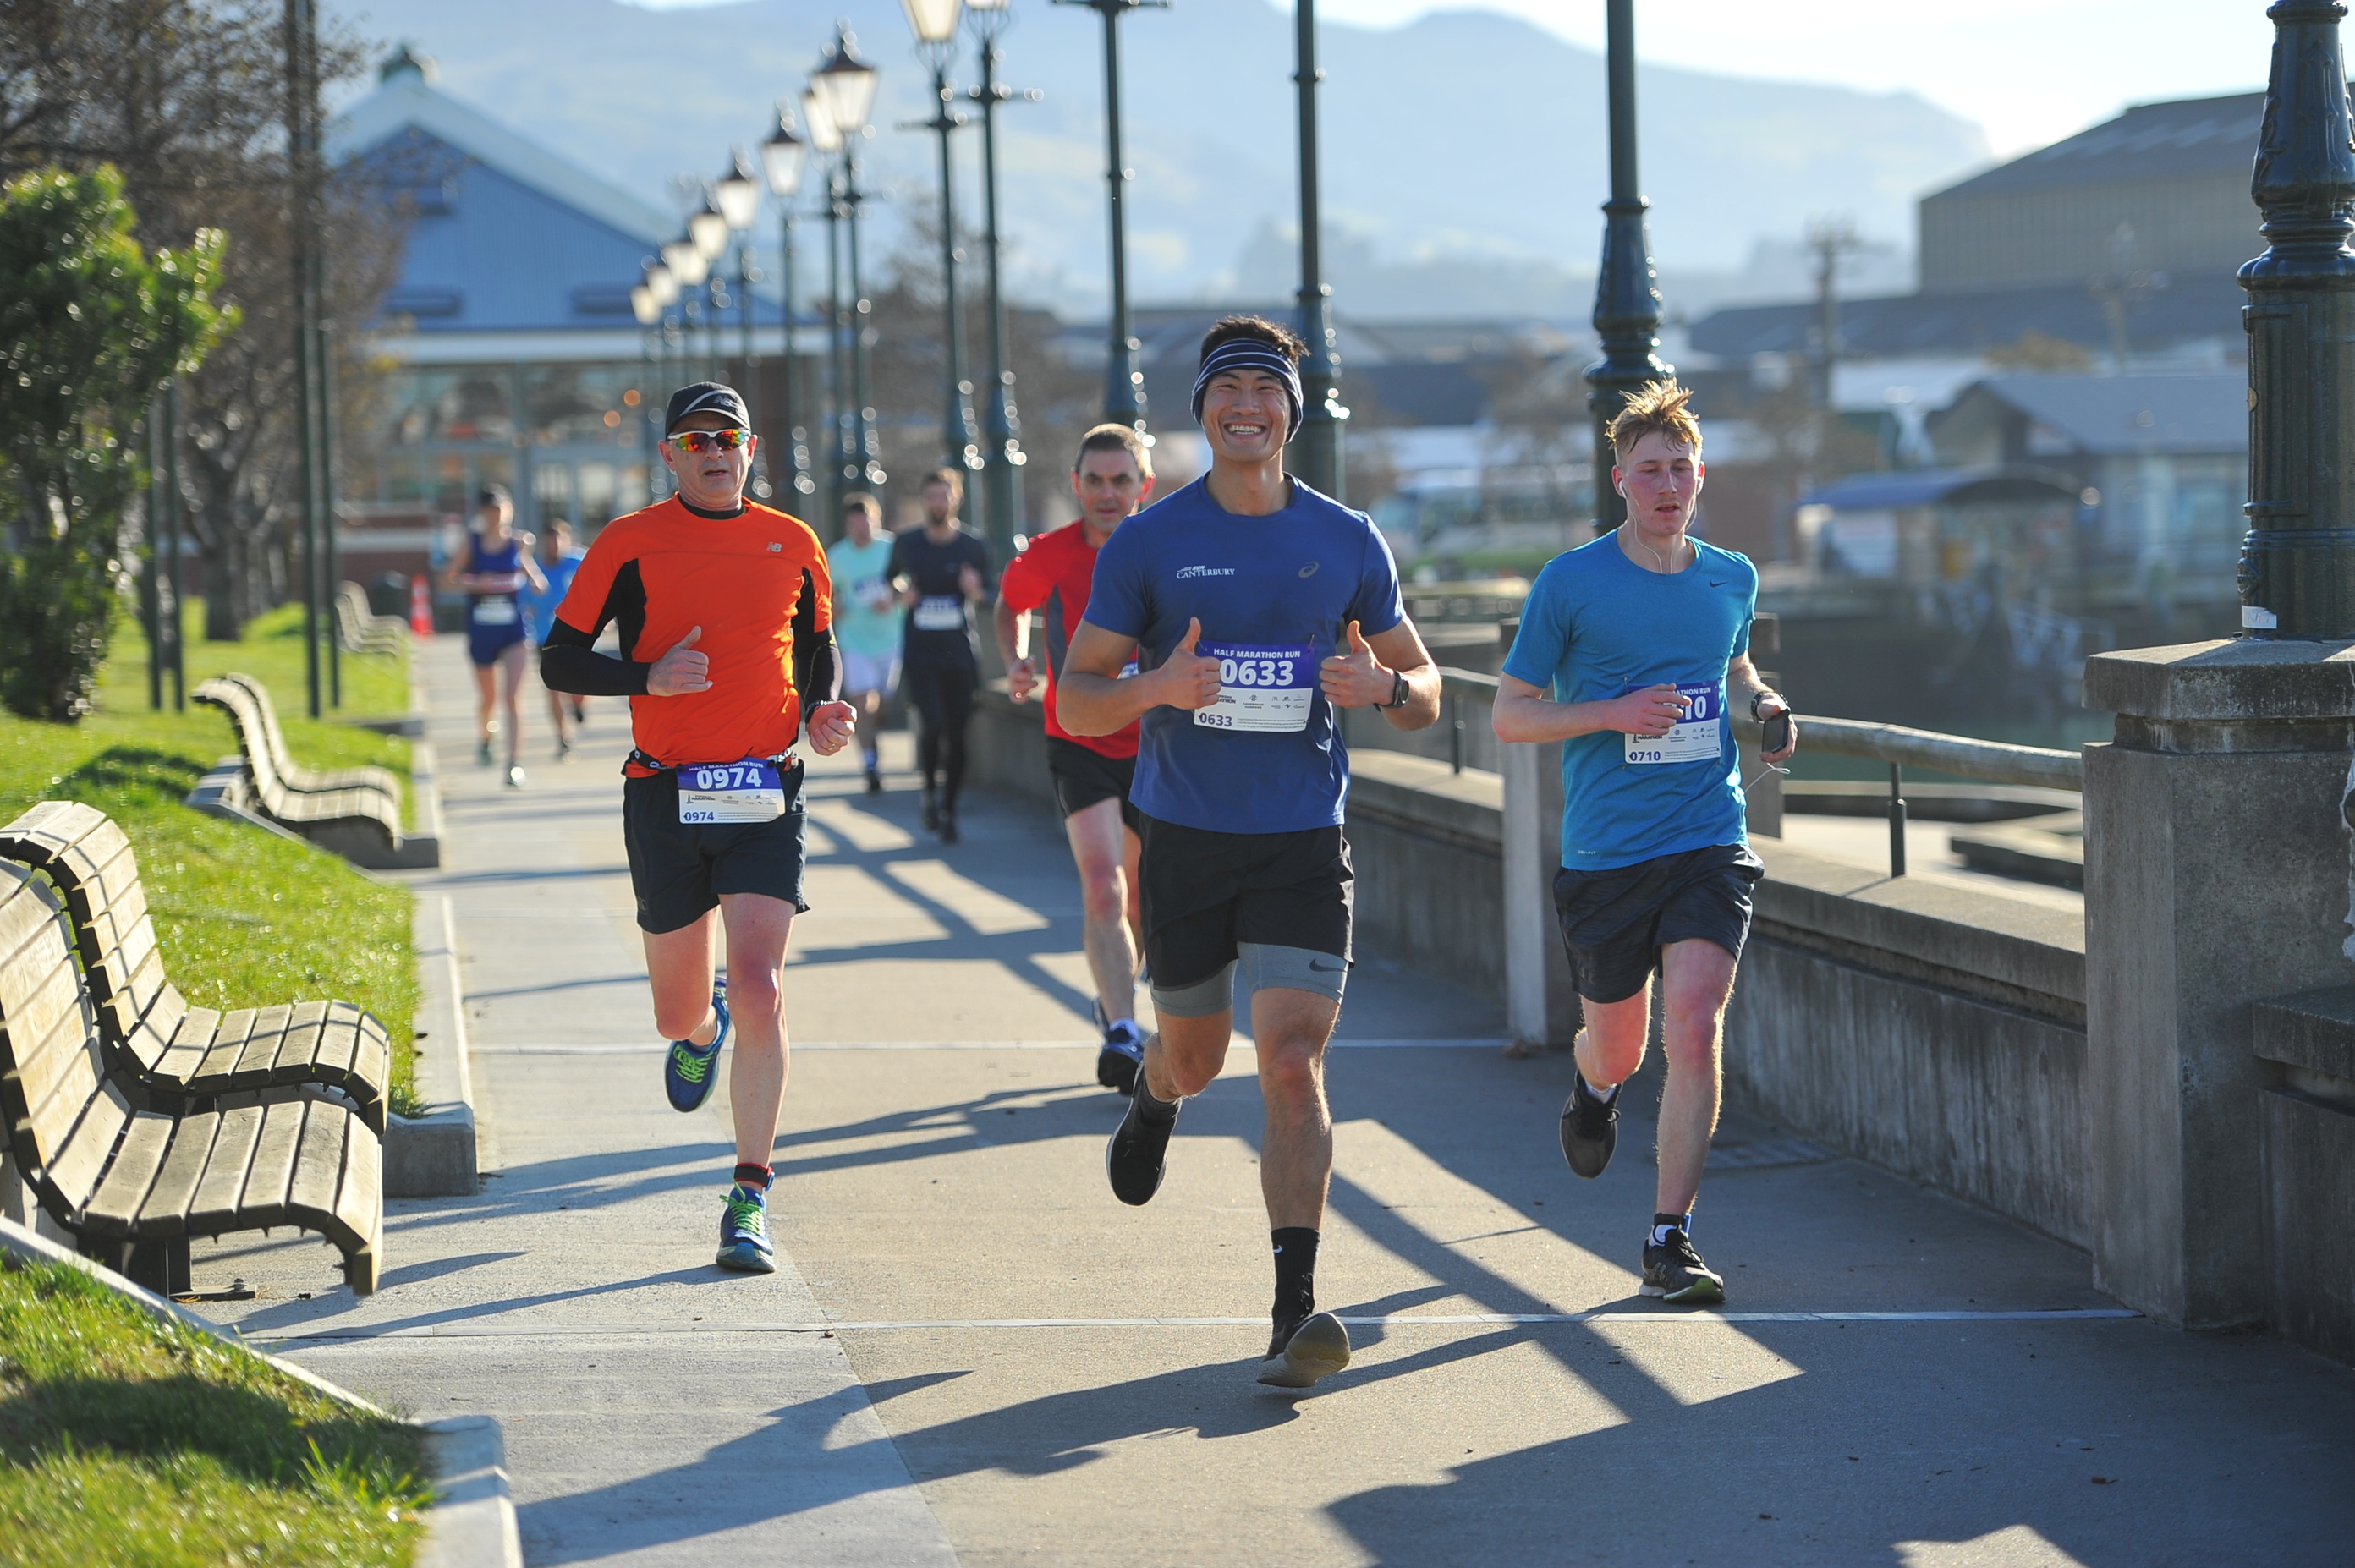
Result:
pixel 941 572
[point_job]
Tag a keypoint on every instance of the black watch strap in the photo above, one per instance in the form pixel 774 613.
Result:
pixel 1400 690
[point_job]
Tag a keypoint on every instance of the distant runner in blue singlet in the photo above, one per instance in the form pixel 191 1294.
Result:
pixel 495 569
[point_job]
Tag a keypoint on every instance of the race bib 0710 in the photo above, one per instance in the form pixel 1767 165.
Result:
pixel 940 613
pixel 748 791
pixel 1691 739
pixel 1261 687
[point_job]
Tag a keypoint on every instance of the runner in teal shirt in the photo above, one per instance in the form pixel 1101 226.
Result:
pixel 866 621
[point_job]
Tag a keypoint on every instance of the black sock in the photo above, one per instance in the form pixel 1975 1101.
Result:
pixel 1295 1275
pixel 1151 1107
pixel 754 1176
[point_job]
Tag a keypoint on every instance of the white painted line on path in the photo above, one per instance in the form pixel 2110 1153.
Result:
pixel 1241 1042
pixel 472 1331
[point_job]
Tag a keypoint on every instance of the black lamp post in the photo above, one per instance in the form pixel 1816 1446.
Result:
pixel 838 448
pixel 1626 293
pixel 689 269
pixel 844 87
pixel 782 157
pixel 706 228
pixel 1002 458
pixel 737 195
pixel 2298 561
pixel 1123 369
pixel 1316 450
pixel 935 24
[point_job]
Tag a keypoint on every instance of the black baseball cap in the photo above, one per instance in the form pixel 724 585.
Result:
pixel 494 496
pixel 706 398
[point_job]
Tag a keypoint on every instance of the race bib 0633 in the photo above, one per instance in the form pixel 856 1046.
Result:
pixel 1261 687
pixel 748 791
pixel 940 613
pixel 1692 739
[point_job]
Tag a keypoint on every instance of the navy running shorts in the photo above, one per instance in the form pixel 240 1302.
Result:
pixel 1615 923
pixel 1084 776
pixel 1206 894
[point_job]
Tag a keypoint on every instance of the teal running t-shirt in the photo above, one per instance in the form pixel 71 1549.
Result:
pixel 866 613
pixel 1596 626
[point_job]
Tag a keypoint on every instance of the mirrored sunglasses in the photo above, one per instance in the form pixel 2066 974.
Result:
pixel 699 441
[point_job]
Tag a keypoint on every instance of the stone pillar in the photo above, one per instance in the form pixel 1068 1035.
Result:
pixel 2216 876
pixel 1541 1000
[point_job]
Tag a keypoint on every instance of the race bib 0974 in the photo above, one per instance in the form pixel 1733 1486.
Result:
pixel 1261 687
pixel 748 791
pixel 1691 739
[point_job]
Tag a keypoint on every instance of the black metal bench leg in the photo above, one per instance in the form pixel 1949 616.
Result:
pixel 160 1266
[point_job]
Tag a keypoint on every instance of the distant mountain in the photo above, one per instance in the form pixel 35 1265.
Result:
pixel 1467 145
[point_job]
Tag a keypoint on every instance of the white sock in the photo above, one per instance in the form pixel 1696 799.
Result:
pixel 1606 1095
pixel 1660 1229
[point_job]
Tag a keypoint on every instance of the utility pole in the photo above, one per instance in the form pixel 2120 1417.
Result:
pixel 1830 238
pixel 1626 291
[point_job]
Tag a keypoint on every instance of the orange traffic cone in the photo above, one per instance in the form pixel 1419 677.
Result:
pixel 421 606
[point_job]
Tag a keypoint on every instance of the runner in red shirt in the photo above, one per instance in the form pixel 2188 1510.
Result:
pixel 1111 477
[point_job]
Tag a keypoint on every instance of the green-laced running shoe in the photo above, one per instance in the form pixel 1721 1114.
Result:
pixel 744 1232
pixel 688 1075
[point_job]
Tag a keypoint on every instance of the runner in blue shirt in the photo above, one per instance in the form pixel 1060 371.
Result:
pixel 562 559
pixel 1630 651
pixel 1254 607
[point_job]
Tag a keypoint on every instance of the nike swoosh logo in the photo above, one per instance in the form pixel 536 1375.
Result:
pixel 1713 582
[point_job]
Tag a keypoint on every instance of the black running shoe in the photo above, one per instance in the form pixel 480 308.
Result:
pixel 1121 1058
pixel 1137 1155
pixel 874 782
pixel 1674 1271
pixel 931 814
pixel 948 827
pixel 1318 1346
pixel 1590 1128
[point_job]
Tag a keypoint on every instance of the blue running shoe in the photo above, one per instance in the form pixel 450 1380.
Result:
pixel 1122 1056
pixel 688 1075
pixel 744 1232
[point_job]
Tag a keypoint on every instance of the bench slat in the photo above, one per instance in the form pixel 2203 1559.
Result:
pixel 296 1060
pixel 165 1213
pixel 221 1054
pixel 151 1043
pixel 74 1171
pixel 190 1041
pixel 319 1164
pixel 260 1051
pixel 222 1185
pixel 128 1180
pixel 269 1178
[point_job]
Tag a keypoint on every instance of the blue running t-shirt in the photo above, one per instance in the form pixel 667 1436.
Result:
pixel 1596 626
pixel 1275 595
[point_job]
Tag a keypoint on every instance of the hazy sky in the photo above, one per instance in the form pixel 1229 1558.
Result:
pixel 2029 71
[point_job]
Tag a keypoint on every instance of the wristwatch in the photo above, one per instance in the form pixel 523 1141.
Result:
pixel 1761 695
pixel 1399 691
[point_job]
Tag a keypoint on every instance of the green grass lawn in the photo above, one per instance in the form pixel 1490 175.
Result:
pixel 245 918
pixel 138 1443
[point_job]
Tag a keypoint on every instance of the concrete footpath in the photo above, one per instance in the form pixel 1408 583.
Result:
pixel 971 1353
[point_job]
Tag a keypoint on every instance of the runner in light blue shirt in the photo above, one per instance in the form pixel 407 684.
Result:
pixel 560 559
pixel 1631 651
pixel 866 621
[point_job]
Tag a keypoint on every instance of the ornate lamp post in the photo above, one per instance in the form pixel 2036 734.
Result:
pixel 707 228
pixel 1316 450
pixel 844 84
pixel 782 157
pixel 737 195
pixel 935 26
pixel 2298 561
pixel 662 292
pixel 1001 450
pixel 688 268
pixel 1124 369
pixel 1626 293
pixel 839 450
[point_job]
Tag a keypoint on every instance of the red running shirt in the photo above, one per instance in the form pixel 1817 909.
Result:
pixel 1054 574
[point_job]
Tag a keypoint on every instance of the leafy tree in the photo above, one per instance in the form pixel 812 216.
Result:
pixel 90 328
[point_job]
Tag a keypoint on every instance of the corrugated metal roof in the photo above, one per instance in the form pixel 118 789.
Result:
pixel 2113 415
pixel 1937 486
pixel 2191 307
pixel 2191 136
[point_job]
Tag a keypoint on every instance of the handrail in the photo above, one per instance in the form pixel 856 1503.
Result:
pixel 1996 762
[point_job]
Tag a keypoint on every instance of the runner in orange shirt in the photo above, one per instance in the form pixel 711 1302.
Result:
pixel 725 612
pixel 1111 476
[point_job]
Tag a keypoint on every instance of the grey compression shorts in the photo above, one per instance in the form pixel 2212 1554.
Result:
pixel 1262 964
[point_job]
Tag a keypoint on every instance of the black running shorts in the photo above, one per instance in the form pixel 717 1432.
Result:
pixel 1205 892
pixel 679 869
pixel 1615 923
pixel 1084 777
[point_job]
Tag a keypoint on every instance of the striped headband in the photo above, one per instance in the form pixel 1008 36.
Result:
pixel 1250 353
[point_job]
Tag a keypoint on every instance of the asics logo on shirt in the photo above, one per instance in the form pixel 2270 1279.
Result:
pixel 1206 572
pixel 1310 569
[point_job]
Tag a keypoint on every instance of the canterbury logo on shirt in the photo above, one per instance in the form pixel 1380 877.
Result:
pixel 1206 572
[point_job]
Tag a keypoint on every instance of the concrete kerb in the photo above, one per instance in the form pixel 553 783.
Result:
pixel 470 1520
pixel 433 1155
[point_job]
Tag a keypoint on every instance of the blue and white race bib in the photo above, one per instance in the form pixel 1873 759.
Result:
pixel 748 791
pixel 1691 739
pixel 494 613
pixel 1261 687
pixel 940 613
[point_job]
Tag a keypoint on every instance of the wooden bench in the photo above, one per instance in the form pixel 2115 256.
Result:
pixel 361 630
pixel 298 778
pixel 176 1053
pixel 359 821
pixel 133 1183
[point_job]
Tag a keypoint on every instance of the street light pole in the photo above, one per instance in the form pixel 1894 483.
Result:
pixel 844 85
pixel 783 157
pixel 302 102
pixel 1002 456
pixel 1123 368
pixel 2298 561
pixel 935 24
pixel 1317 451
pixel 1626 293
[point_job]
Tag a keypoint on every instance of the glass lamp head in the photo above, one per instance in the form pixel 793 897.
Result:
pixel 706 228
pixel 935 21
pixel 823 134
pixel 643 305
pixel 661 285
pixel 739 192
pixel 846 83
pixel 783 155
